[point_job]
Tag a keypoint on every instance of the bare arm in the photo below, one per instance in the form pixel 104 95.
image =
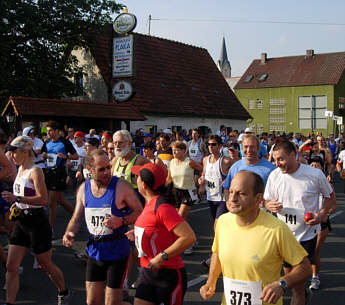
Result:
pixel 208 290
pixel 125 197
pixel 299 273
pixel 41 196
pixel 6 168
pixel 195 165
pixel 185 238
pixel 226 164
pixel 77 217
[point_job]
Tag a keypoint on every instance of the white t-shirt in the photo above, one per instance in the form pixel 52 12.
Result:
pixel 341 157
pixel 38 143
pixel 299 193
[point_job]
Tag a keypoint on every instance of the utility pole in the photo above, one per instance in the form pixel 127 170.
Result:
pixel 150 18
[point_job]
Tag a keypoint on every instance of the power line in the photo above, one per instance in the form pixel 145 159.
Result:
pixel 248 21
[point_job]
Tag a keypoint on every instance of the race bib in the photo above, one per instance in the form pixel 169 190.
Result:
pixel 193 193
pixel 193 152
pixel 138 233
pixel 18 189
pixel 51 160
pixel 86 174
pixel 241 292
pixel 75 164
pixel 212 186
pixel 94 218
pixel 293 218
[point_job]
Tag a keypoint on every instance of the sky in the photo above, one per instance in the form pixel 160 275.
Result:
pixel 250 27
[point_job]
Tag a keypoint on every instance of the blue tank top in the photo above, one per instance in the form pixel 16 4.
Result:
pixel 333 149
pixel 105 244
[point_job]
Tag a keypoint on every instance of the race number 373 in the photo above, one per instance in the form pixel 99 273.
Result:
pixel 242 292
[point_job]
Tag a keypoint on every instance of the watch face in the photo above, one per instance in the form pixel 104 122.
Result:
pixel 282 284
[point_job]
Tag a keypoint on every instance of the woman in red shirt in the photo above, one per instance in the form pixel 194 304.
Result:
pixel 160 235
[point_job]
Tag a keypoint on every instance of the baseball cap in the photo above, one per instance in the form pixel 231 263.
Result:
pixel 79 134
pixel 152 174
pixel 23 142
pixel 167 131
pixel 27 130
pixel 249 129
pixel 147 135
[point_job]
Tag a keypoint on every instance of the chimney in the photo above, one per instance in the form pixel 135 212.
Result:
pixel 263 58
pixel 309 54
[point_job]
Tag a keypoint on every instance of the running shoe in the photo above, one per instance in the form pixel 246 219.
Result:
pixel 65 299
pixel 314 283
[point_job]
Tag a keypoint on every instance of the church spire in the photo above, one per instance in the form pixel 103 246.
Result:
pixel 223 62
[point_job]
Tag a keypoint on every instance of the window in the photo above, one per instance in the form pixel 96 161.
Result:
pixel 276 114
pixel 259 128
pixel 251 104
pixel 263 77
pixel 311 112
pixel 249 78
pixel 259 104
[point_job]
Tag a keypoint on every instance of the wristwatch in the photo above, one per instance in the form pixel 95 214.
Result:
pixel 283 284
pixel 18 199
pixel 164 256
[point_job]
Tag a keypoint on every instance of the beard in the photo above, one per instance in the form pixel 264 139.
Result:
pixel 122 153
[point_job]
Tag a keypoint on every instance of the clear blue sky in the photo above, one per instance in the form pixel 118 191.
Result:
pixel 245 41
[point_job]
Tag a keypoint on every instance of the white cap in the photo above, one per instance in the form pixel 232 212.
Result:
pixel 27 130
pixel 23 142
pixel 240 137
pixel 167 131
pixel 249 129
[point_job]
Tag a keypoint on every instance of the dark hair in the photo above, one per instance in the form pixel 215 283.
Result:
pixel 165 136
pixel 285 145
pixel 53 124
pixel 149 145
pixel 217 138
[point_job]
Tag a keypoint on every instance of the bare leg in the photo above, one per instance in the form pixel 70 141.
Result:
pixel 114 296
pixel 15 257
pixel 64 203
pixel 53 199
pixel 94 293
pixel 53 271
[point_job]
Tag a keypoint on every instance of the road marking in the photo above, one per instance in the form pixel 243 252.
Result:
pixel 198 210
pixel 335 214
pixel 197 280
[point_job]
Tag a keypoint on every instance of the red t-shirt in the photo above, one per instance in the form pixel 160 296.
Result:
pixel 153 232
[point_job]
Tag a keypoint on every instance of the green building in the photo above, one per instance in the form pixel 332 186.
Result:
pixel 292 94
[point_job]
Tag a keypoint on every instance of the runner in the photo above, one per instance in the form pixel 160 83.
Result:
pixel 293 190
pixel 72 165
pixel 105 139
pixel 108 204
pixel 322 235
pixel 215 169
pixel 148 150
pixel 249 248
pixel 161 236
pixel 56 153
pixel 164 151
pixel 181 175
pixel 38 143
pixel 111 150
pixel 125 159
pixel 32 228
pixel 251 162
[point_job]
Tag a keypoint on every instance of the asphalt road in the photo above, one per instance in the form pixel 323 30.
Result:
pixel 36 288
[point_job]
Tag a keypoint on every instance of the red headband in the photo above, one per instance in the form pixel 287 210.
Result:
pixel 107 136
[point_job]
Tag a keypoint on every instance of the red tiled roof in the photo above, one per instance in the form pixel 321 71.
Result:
pixel 172 78
pixel 320 69
pixel 67 108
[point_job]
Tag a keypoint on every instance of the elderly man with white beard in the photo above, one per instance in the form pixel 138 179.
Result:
pixel 125 159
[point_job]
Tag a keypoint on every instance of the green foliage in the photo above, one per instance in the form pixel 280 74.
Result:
pixel 36 40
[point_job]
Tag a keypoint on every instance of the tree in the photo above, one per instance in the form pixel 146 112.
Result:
pixel 36 40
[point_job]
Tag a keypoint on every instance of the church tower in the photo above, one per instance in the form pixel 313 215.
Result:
pixel 223 62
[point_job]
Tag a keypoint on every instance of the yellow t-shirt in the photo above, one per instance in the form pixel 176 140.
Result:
pixel 254 253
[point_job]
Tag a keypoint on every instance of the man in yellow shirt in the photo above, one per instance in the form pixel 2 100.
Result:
pixel 249 248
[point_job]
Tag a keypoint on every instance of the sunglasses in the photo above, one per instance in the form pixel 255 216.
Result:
pixel 212 144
